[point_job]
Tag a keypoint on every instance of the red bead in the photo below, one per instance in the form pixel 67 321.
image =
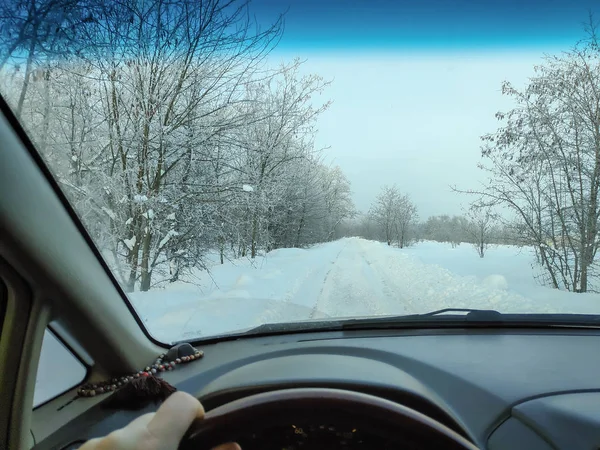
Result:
pixel 145 374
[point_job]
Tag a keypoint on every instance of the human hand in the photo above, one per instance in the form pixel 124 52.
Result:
pixel 161 430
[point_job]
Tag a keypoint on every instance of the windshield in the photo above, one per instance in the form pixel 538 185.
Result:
pixel 242 163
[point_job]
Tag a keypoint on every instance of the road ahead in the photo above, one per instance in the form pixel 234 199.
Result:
pixel 358 283
pixel 346 278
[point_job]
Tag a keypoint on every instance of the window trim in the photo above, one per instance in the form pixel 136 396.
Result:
pixel 68 348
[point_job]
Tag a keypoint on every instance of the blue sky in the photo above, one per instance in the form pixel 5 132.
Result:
pixel 415 84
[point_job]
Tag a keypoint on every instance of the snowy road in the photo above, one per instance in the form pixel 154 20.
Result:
pixel 347 278
pixel 356 284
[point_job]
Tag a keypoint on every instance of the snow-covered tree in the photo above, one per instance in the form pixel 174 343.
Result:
pixel 171 136
pixel 480 227
pixel 395 213
pixel 445 228
pixel 279 136
pixel 544 164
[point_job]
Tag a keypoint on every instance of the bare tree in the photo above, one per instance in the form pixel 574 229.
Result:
pixel 383 211
pixel 394 213
pixel 279 134
pixel 405 215
pixel 479 227
pixel 171 136
pixel 544 164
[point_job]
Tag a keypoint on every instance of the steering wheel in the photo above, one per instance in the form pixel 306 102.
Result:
pixel 376 416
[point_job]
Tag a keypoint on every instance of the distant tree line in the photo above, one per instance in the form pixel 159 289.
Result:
pixel 480 228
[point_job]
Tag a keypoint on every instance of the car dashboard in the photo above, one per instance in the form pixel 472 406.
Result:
pixel 517 389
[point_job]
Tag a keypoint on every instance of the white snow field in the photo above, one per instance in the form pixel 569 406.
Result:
pixel 347 278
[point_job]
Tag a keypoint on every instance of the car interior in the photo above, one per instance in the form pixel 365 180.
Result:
pixel 489 387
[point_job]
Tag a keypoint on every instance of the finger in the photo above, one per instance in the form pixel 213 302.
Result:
pixel 110 442
pixel 141 422
pixel 228 446
pixel 92 444
pixel 173 418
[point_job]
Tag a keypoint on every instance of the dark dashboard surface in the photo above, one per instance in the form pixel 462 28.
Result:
pixel 503 389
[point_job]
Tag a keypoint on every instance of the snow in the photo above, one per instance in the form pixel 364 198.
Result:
pixel 496 281
pixel 247 188
pixel 137 198
pixel 347 278
pixel 168 236
pixel 130 242
pixel 109 212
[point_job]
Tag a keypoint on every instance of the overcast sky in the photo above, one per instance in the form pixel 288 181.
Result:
pixel 416 83
pixel 413 120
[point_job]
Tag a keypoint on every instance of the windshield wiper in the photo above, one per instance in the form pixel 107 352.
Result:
pixel 465 317
pixel 441 318
pixel 471 314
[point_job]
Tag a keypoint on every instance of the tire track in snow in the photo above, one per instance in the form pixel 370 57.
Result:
pixel 315 310
pixel 394 300
pixel 354 286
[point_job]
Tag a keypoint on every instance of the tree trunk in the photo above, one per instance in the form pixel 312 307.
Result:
pixel 28 65
pixel 586 260
pixel 174 274
pixel 46 114
pixel 222 249
pixel 548 266
pixel 145 272
pixel 133 264
pixel 300 227
pixel 254 233
pixel 583 285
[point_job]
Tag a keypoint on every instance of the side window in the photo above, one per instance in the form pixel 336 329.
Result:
pixel 58 370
